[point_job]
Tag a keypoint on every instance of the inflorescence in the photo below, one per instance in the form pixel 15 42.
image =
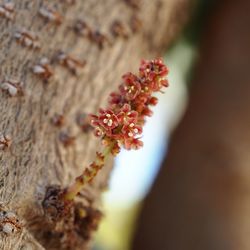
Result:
pixel 120 124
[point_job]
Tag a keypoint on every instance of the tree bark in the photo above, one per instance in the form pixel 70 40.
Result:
pixel 37 158
pixel 200 199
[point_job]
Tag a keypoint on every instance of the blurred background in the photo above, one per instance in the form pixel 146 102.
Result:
pixel 207 107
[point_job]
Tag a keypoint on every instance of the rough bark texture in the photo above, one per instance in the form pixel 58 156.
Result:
pixel 37 158
pixel 201 197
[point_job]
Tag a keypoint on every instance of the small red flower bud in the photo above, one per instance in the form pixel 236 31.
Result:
pixel 147 112
pixel 133 144
pixel 164 83
pixel 100 157
pixel 115 99
pixel 153 101
pixel 116 149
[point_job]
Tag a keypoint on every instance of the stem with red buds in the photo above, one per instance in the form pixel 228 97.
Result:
pixel 89 173
pixel 121 123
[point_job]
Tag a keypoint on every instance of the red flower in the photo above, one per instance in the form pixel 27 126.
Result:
pixel 131 130
pixel 153 73
pixel 104 123
pixel 126 115
pixel 152 69
pixel 108 119
pixel 131 86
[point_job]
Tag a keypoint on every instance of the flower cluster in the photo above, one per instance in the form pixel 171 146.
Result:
pixel 121 123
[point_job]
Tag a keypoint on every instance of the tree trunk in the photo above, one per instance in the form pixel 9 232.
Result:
pixel 201 197
pixel 41 153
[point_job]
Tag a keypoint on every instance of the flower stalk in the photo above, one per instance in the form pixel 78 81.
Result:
pixel 88 174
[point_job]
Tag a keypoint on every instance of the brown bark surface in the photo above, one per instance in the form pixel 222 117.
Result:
pixel 37 158
pixel 201 197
